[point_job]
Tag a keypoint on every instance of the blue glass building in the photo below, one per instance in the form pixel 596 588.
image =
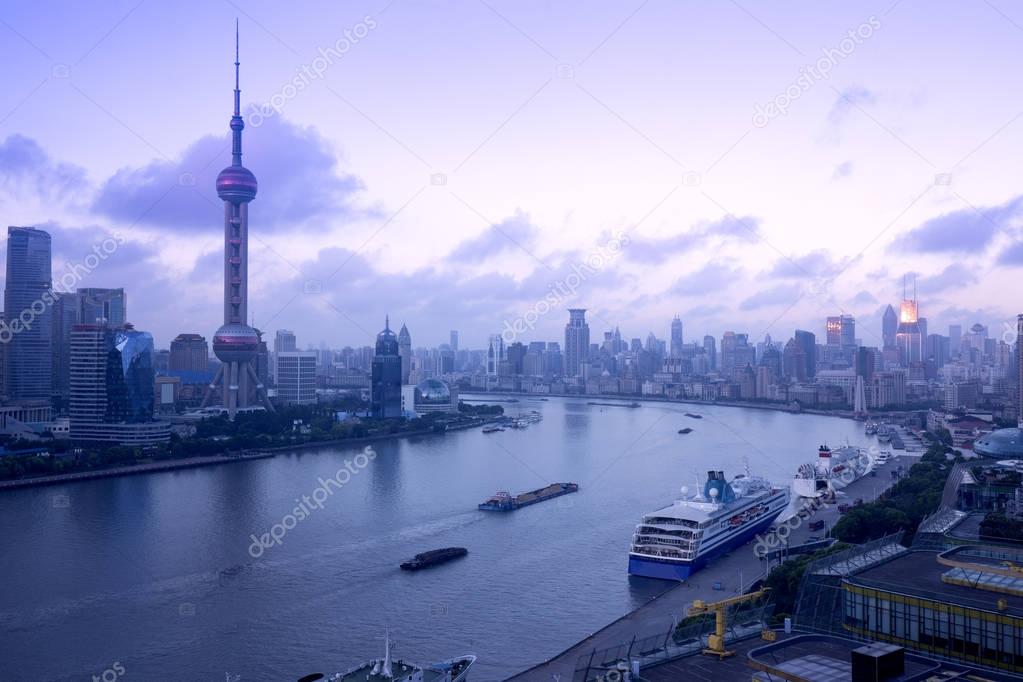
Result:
pixel 28 315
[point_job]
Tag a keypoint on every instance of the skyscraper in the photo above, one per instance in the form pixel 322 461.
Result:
pixel 955 339
pixel 385 390
pixel 710 348
pixel 236 343
pixel 889 327
pixel 103 304
pixel 1019 371
pixel 577 341
pixel 28 317
pixel 807 343
pixel 676 337
pixel 405 351
pixel 189 353
pixel 907 337
pixel 67 311
pixel 284 341
pixel 454 341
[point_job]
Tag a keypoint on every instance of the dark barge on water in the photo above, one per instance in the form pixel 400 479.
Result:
pixel 504 501
pixel 434 557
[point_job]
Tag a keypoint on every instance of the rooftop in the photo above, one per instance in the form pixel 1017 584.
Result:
pixel 918 574
pixel 816 658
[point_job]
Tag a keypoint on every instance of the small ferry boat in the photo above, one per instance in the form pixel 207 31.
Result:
pixel 685 430
pixel 385 670
pixel 504 501
pixel 694 416
pixel 674 542
pixel 434 557
pixel 492 429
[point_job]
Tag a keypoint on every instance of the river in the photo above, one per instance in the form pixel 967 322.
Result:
pixel 156 573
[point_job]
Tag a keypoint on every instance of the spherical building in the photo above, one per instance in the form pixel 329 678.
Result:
pixel 235 343
pixel 433 395
pixel 1000 444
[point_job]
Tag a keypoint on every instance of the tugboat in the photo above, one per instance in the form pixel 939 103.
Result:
pixel 385 670
pixel 434 557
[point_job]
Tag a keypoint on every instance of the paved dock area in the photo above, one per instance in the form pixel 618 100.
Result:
pixel 741 564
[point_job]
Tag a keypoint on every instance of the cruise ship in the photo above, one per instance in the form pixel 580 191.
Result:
pixel 674 542
pixel 833 471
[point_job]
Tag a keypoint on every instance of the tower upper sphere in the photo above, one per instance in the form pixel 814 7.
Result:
pixel 236 183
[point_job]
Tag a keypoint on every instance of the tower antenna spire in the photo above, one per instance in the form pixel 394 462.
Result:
pixel 237 124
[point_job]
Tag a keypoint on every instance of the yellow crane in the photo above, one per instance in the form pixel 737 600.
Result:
pixel 716 641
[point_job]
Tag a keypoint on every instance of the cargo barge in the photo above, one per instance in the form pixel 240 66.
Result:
pixel 433 558
pixel 504 501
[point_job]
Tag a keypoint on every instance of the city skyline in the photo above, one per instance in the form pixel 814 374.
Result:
pixel 712 216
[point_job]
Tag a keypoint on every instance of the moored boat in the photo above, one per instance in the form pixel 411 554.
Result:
pixel 674 542
pixel 833 470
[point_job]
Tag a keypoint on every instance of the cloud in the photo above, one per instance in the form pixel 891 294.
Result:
pixel 653 250
pixel 705 310
pixel 296 163
pixel 964 230
pixel 783 293
pixel 711 277
pixel 955 275
pixel 26 166
pixel 817 263
pixel 853 97
pixel 514 233
pixel 1012 255
pixel 842 170
pixel 864 298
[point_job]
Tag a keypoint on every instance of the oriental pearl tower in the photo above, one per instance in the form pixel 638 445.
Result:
pixel 236 344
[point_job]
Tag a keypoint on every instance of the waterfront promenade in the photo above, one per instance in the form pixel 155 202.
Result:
pixel 736 571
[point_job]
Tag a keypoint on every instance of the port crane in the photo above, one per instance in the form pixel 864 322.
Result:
pixel 716 641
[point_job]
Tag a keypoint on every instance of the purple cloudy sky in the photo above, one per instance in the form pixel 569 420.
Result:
pixel 452 162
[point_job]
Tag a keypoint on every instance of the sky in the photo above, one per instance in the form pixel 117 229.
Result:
pixel 483 165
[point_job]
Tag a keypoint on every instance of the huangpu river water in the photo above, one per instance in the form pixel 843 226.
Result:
pixel 154 575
